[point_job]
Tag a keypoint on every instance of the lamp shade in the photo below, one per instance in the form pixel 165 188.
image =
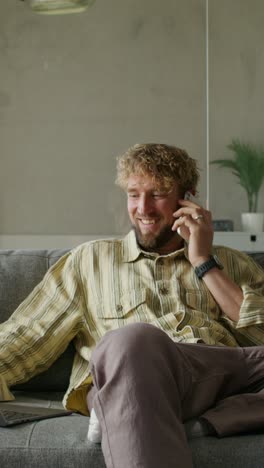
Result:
pixel 53 7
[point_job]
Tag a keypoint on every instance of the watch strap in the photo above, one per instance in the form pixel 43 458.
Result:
pixel 207 266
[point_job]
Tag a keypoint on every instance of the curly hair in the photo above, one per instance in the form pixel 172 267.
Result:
pixel 167 165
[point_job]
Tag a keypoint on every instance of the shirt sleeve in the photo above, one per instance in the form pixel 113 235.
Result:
pixel 246 273
pixel 42 326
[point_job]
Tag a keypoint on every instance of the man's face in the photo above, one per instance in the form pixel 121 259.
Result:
pixel 151 213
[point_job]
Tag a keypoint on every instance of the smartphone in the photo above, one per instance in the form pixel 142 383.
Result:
pixel 187 196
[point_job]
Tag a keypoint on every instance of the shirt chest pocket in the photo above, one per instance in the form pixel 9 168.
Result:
pixel 122 306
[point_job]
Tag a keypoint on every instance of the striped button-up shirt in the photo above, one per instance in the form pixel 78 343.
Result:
pixel 106 284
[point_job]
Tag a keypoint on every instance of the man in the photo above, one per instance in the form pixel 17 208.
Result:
pixel 143 311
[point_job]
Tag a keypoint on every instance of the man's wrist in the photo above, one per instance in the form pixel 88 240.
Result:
pixel 209 264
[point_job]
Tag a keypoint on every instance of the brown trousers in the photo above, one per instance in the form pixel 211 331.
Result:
pixel 146 386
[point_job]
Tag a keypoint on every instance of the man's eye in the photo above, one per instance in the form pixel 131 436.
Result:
pixel 132 195
pixel 159 195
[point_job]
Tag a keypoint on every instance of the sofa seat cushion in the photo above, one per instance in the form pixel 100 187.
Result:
pixel 21 271
pixel 243 451
pixel 62 442
pixel 53 443
pixel 49 443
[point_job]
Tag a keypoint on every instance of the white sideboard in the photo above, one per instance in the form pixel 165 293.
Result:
pixel 240 240
pixel 237 240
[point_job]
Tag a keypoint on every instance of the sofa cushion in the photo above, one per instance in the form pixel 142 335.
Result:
pixel 21 271
pixel 62 443
pixel 57 442
pixel 242 451
pixel 55 379
pixel 258 257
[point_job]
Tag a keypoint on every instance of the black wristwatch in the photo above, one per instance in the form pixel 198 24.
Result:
pixel 207 266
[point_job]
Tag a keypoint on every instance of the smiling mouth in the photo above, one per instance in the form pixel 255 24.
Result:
pixel 147 222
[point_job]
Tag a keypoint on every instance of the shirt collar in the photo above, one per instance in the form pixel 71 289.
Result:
pixel 131 249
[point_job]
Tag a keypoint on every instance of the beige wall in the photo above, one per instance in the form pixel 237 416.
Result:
pixel 236 94
pixel 77 90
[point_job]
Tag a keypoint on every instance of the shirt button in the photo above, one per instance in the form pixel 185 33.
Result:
pixel 119 308
pixel 164 290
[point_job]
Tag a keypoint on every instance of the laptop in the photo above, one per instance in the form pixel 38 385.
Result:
pixel 11 414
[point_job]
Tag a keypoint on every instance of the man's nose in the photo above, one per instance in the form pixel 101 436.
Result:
pixel 144 205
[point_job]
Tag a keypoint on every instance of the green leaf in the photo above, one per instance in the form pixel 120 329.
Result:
pixel 247 166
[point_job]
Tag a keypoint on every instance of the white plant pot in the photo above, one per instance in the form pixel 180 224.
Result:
pixel 252 222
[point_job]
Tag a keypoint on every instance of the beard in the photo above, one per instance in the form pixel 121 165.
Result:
pixel 150 242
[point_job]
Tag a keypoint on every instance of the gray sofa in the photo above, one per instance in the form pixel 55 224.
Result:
pixel 62 442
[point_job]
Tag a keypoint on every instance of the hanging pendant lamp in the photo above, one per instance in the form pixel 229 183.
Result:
pixel 57 7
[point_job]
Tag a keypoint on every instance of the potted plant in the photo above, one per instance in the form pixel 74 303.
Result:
pixel 248 167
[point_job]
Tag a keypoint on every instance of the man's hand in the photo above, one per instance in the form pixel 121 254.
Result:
pixel 196 228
